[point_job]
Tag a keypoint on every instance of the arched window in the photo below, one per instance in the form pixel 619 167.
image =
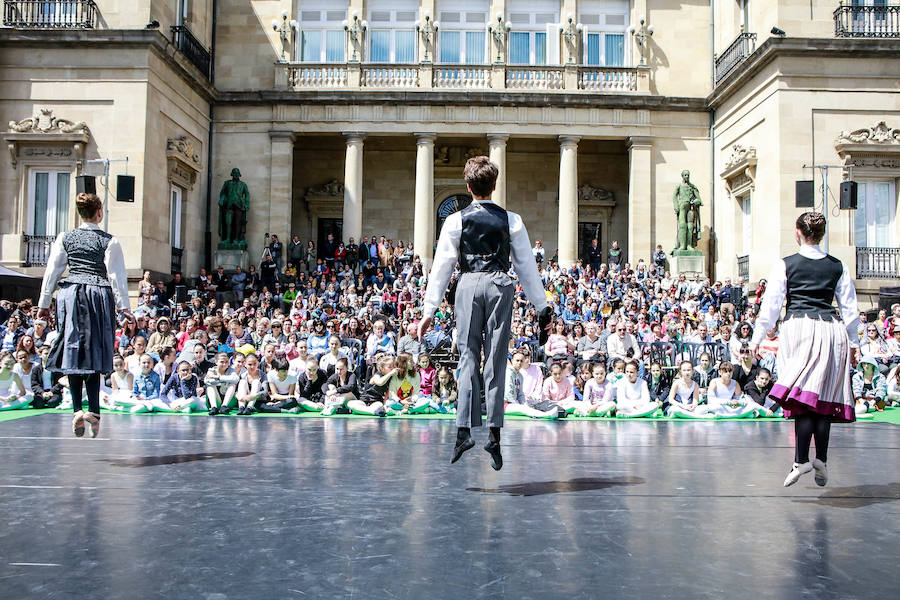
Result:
pixel 448 207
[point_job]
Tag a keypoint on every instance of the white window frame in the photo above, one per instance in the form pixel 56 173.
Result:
pixel 50 218
pixel 867 207
pixel 470 21
pixel 393 26
pixel 548 25
pixel 176 210
pixel 594 16
pixel 746 224
pixel 323 24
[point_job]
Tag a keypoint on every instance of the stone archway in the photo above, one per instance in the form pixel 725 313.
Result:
pixel 447 207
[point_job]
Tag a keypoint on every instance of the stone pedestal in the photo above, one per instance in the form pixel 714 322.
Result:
pixel 687 264
pixel 230 259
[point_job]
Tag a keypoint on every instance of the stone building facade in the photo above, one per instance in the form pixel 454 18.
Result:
pixel 355 116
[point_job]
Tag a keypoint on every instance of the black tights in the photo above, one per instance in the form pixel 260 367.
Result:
pixel 92 383
pixel 805 428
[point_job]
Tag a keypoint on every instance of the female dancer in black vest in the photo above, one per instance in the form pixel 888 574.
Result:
pixel 85 307
pixel 817 348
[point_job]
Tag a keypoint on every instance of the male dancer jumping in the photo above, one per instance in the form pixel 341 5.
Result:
pixel 482 238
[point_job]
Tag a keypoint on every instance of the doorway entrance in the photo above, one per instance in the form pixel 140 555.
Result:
pixel 325 226
pixel 586 233
pixel 449 206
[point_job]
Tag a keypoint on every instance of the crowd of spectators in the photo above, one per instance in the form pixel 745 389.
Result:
pixel 335 329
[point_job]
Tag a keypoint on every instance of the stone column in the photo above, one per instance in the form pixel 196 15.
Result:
pixel 497 143
pixel 568 200
pixel 281 175
pixel 423 237
pixel 641 205
pixel 353 186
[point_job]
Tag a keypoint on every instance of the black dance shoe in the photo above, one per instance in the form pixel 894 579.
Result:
pixel 493 448
pixel 461 446
pixel 213 411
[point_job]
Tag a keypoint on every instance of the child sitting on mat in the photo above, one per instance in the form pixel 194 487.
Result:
pixel 724 397
pixel 558 390
pixel 282 388
pixel 121 384
pixel 221 385
pixel 340 388
pixel 684 397
pixel 514 399
pixel 598 393
pixel 185 390
pixel 758 391
pixel 252 388
pixel 869 387
pixel 445 390
pixel 404 389
pixel 145 392
pixel 44 383
pixel 633 395
pixel 372 400
pixel 12 390
pixel 427 373
pixel 310 388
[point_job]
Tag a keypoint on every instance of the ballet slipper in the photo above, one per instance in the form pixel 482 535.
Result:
pixel 78 424
pixel 94 420
pixel 821 472
pixel 796 471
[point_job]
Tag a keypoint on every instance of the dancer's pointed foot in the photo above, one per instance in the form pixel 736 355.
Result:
pixel 78 424
pixel 493 448
pixel 796 471
pixel 821 475
pixel 464 442
pixel 94 420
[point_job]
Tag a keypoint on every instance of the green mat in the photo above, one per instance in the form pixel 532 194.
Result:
pixel 889 415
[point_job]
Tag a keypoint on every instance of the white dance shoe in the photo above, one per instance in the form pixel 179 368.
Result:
pixel 821 475
pixel 796 471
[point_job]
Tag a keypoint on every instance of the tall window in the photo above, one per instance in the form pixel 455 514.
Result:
pixel 534 39
pixel 175 217
pixel 605 22
pixel 322 37
pixel 463 35
pixel 392 31
pixel 746 225
pixel 48 202
pixel 873 224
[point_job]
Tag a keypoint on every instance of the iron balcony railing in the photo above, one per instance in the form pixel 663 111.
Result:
pixel 191 47
pixel 743 267
pixel 50 14
pixel 37 249
pixel 867 21
pixel 177 254
pixel 742 47
pixel 877 263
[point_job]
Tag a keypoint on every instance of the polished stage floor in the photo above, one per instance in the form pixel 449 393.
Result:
pixel 225 508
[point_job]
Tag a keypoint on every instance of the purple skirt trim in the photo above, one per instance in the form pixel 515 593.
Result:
pixel 796 401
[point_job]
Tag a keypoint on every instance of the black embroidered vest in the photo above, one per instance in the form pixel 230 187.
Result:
pixel 484 242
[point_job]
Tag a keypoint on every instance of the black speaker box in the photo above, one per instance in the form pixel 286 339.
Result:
pixel 803 194
pixel 848 195
pixel 85 184
pixel 125 188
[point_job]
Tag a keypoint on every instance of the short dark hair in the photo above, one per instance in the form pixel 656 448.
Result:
pixel 481 175
pixel 812 226
pixel 88 205
pixel 279 363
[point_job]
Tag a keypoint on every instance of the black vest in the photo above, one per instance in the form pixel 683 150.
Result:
pixel 484 242
pixel 86 251
pixel 810 286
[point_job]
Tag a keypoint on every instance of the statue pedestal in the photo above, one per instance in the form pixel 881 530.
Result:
pixel 688 264
pixel 231 259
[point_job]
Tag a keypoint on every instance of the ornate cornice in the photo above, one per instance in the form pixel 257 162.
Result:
pixel 183 162
pixel 740 169
pixel 45 122
pixel 740 154
pixel 875 150
pixel 35 137
pixel 880 134
pixel 595 195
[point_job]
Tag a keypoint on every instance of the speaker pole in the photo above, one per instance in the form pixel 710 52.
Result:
pixel 106 162
pixel 824 169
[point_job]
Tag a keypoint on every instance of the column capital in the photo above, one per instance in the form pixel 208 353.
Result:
pixel 354 137
pixel 638 140
pixel 497 138
pixel 281 135
pixel 425 138
pixel 569 140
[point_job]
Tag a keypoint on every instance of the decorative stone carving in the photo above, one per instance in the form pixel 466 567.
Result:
pixel 740 170
pixel 879 134
pixel 44 137
pixel 45 122
pixel 455 156
pixel 740 154
pixel 596 195
pixel 333 188
pixel 873 150
pixel 183 162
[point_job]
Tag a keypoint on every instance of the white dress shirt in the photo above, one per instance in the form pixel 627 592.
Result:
pixel 447 255
pixel 776 290
pixel 114 260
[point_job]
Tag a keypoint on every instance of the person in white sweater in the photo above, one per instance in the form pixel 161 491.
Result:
pixel 633 395
pixel 514 399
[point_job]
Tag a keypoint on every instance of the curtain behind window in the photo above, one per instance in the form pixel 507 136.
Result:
pixel 62 202
pixel 519 48
pixel 311 46
pixel 41 181
pixel 405 50
pixel 615 49
pixel 334 46
pixel 450 46
pixel 475 47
